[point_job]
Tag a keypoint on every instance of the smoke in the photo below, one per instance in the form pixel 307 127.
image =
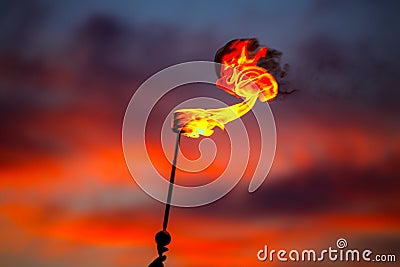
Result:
pixel 353 60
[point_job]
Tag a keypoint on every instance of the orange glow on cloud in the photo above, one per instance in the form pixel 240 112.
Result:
pixel 54 205
pixel 198 240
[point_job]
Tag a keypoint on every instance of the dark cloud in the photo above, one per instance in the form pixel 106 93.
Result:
pixel 21 24
pixel 92 76
pixel 359 73
pixel 352 58
pixel 58 102
pixel 323 190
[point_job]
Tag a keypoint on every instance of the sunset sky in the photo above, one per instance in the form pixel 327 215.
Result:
pixel 68 70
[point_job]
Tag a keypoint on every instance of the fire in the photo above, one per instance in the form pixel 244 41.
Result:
pixel 239 76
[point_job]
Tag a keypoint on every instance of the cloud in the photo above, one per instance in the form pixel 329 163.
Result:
pixel 352 58
pixel 66 186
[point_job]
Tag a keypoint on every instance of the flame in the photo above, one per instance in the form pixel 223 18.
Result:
pixel 239 76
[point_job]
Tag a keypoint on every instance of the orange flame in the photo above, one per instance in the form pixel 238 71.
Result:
pixel 239 76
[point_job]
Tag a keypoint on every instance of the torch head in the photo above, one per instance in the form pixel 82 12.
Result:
pixel 194 122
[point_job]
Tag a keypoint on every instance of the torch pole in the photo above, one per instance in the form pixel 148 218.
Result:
pixel 163 238
pixel 171 183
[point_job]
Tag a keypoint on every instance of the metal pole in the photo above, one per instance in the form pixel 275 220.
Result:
pixel 171 183
pixel 163 238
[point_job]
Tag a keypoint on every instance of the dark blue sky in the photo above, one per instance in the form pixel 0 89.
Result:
pixel 344 41
pixel 283 24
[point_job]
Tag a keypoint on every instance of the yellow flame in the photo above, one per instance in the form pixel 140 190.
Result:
pixel 241 77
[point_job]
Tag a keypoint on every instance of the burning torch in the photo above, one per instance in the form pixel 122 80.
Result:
pixel 241 74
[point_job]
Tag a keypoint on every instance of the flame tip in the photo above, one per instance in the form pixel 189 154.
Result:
pixel 241 77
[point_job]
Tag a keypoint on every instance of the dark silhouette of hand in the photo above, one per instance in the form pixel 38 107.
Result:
pixel 158 262
pixel 163 238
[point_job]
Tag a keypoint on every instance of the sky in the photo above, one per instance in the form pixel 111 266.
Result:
pixel 68 70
